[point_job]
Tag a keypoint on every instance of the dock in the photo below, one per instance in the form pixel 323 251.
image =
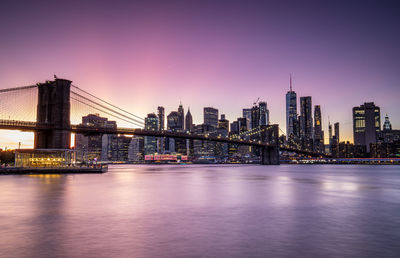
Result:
pixel 53 170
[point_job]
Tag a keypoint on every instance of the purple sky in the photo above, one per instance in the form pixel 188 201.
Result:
pixel 223 54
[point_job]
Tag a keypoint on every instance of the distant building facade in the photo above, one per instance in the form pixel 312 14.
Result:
pixel 211 116
pixel 366 124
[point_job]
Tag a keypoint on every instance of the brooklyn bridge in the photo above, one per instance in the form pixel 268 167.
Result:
pixel 52 110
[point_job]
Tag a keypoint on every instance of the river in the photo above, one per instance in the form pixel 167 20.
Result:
pixel 204 211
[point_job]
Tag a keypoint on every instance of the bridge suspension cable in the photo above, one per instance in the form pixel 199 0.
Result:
pixel 134 120
pixel 18 103
pixel 18 88
pixel 105 112
pixel 120 109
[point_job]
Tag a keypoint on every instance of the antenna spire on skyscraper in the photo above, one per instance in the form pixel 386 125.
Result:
pixel 290 82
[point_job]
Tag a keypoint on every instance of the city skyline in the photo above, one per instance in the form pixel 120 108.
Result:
pixel 224 54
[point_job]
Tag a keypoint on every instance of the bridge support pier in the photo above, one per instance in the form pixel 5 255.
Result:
pixel 53 111
pixel 270 155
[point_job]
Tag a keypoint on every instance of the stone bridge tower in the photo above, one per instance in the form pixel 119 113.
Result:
pixel 53 111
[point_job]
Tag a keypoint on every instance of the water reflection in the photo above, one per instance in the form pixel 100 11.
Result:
pixel 211 211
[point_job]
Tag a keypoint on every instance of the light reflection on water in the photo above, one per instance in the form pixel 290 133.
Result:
pixel 211 211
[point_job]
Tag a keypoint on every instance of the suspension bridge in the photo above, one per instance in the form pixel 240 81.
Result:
pixel 54 109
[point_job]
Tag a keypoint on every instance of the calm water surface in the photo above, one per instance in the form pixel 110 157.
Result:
pixel 204 211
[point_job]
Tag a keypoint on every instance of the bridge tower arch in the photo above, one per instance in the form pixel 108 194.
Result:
pixel 53 112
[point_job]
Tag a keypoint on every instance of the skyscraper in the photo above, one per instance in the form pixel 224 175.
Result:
pixel 173 121
pixel 337 132
pixel 366 124
pixel 181 120
pixel 161 115
pixel 306 123
pixel 211 116
pixel 291 111
pixel 247 114
pixel 150 143
pixel 318 133
pixel 161 124
pixel 189 121
pixel 264 113
pixel 255 117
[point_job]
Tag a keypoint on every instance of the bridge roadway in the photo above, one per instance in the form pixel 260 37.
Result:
pixel 79 129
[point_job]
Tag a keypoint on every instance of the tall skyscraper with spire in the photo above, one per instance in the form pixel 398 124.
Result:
pixel 291 111
pixel 189 121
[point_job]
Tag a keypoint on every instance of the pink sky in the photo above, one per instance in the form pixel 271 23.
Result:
pixel 225 55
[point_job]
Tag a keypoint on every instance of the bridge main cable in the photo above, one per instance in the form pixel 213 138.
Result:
pixel 109 109
pixel 113 115
pixel 107 102
pixel 18 88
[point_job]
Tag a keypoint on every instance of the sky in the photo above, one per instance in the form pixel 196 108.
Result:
pixel 224 54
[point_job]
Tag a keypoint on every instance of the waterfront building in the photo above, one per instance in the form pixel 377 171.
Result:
pixel 291 112
pixel 203 148
pixel 115 147
pixel 91 145
pixel 136 149
pixel 211 116
pixel 366 124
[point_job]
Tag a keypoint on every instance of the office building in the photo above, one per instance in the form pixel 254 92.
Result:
pixel 246 113
pixel 255 117
pixel 181 117
pixel 161 118
pixel 136 149
pixel 223 123
pixel 211 117
pixel 264 113
pixel 366 124
pixel 306 123
pixel 318 133
pixel 150 142
pixel 337 137
pixel 91 145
